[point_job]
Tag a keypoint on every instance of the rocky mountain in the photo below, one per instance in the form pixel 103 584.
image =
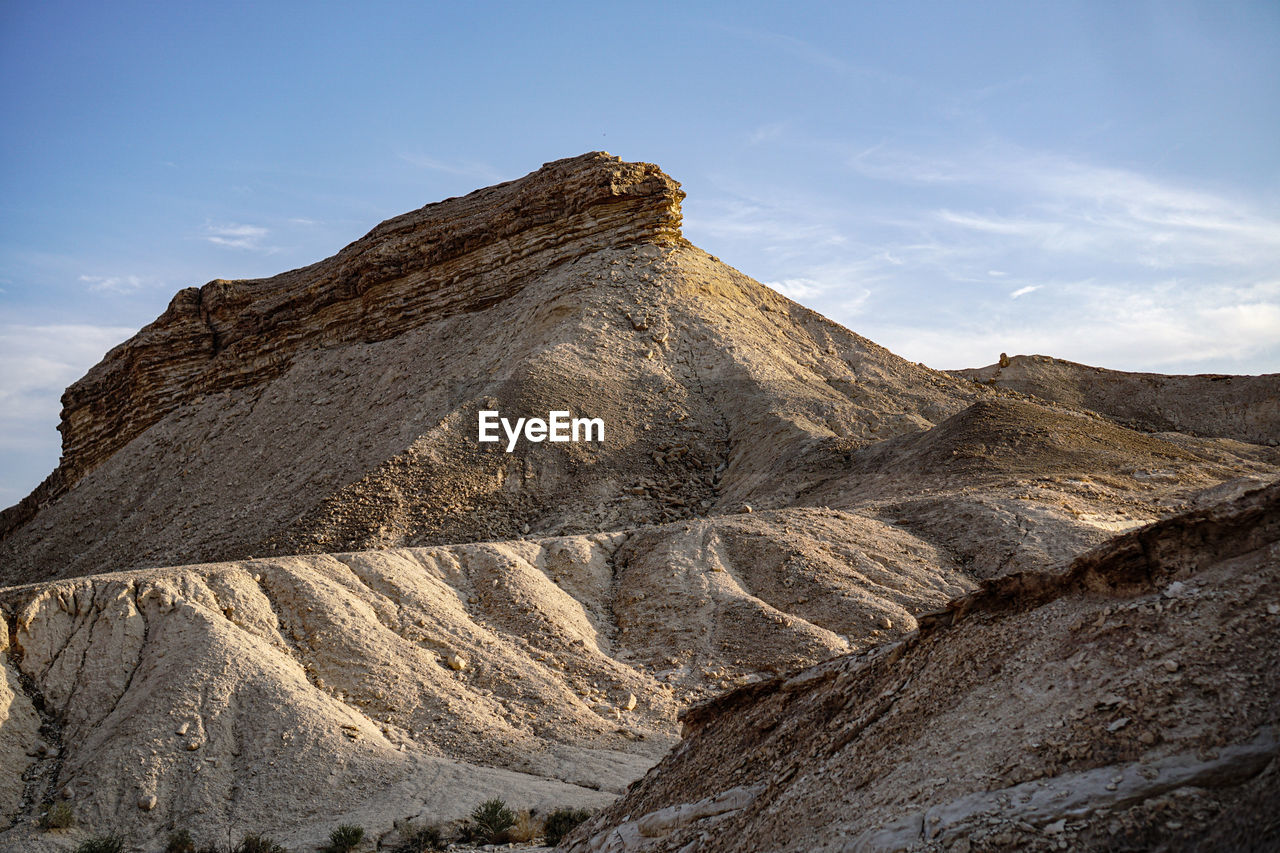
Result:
pixel 277 583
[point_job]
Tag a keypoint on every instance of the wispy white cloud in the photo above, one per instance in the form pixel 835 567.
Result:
pixel 810 54
pixel 1159 327
pixel 767 132
pixel 39 362
pixel 1131 270
pixel 777 225
pixel 797 288
pixel 113 283
pixel 1059 204
pixel 237 236
pixel 460 168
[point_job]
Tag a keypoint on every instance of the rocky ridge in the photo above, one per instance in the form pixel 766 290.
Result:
pixel 1243 408
pixel 384 685
pixel 458 255
pixel 1129 701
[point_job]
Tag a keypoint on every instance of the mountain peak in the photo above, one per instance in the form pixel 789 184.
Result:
pixel 457 255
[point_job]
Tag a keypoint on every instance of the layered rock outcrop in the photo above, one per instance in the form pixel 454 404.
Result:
pixel 462 254
pixel 329 642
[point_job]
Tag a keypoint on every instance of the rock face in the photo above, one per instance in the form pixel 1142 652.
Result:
pixel 1244 408
pixel 278 584
pixel 455 256
pixel 1036 712
pixel 338 408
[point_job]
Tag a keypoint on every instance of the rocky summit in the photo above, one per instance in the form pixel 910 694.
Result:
pixel 796 593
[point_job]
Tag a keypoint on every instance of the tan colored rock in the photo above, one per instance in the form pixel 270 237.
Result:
pixel 773 492
pixel 1243 408
pixel 980 688
pixel 19 732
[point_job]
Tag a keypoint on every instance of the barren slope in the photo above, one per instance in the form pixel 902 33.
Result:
pixel 1245 408
pixel 1130 703
pixel 241 591
pixel 285 694
pixel 709 383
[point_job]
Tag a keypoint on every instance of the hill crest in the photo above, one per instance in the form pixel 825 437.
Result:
pixel 460 254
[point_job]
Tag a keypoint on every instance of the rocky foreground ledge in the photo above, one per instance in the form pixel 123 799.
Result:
pixel 1128 703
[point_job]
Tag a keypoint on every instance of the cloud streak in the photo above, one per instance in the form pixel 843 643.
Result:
pixel 463 169
pixel 40 361
pixel 236 236
pixel 121 284
pixel 1159 327
pixel 937 254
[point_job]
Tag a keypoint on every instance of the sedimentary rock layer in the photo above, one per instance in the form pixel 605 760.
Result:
pixel 461 254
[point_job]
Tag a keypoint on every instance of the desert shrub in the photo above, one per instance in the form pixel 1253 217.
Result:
pixel 561 822
pixel 57 816
pixel 180 842
pixel 420 839
pixel 345 838
pixel 254 843
pixel 102 844
pixel 526 828
pixel 491 820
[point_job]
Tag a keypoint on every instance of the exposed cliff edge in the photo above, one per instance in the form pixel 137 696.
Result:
pixel 461 254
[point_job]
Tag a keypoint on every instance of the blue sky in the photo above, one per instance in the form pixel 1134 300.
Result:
pixel 1095 181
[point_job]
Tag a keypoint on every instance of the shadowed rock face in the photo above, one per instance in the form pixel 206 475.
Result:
pixel 1126 703
pixel 334 408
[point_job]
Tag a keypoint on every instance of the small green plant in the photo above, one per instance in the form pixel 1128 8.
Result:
pixel 180 842
pixel 57 816
pixel 561 822
pixel 491 820
pixel 345 838
pixel 102 844
pixel 254 843
pixel 420 839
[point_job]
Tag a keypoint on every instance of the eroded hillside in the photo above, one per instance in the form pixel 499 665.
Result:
pixel 277 583
pixel 388 684
pixel 1130 702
